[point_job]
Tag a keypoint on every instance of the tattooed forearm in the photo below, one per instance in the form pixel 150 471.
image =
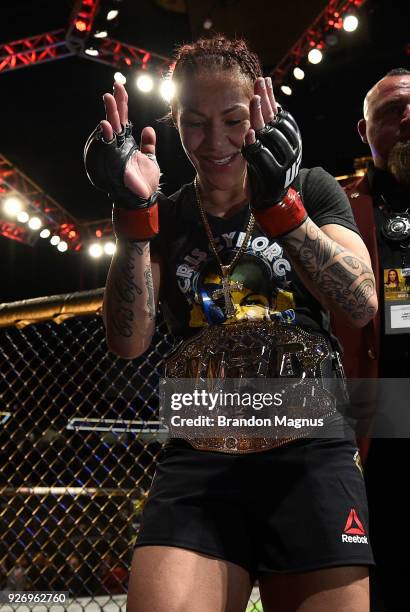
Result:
pixel 122 321
pixel 127 289
pixel 341 278
pixel 150 288
pixel 316 251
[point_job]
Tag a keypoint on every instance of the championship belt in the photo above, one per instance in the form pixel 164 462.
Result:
pixel 252 350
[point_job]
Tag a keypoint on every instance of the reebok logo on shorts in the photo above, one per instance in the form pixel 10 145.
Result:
pixel 354 532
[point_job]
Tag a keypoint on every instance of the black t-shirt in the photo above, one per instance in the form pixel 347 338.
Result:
pixel 190 274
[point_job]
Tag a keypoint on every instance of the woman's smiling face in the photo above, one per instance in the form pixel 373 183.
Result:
pixel 211 112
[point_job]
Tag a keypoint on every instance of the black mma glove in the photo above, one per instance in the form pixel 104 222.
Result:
pixel 273 164
pixel 134 218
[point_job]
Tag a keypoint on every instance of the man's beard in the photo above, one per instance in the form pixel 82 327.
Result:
pixel 399 162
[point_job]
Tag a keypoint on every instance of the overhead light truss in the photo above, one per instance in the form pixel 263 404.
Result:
pixel 34 50
pixel 330 18
pixel 56 218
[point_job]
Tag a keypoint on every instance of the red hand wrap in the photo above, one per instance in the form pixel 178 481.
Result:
pixel 280 219
pixel 139 224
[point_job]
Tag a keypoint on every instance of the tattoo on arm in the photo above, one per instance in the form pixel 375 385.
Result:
pixel 150 288
pixel 126 289
pixel 337 273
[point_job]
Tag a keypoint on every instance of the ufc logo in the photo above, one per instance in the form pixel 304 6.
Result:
pixel 291 172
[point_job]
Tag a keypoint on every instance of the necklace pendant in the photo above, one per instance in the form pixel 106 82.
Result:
pixel 226 289
pixel 225 292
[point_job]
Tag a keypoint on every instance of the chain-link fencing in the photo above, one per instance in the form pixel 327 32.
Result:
pixel 79 438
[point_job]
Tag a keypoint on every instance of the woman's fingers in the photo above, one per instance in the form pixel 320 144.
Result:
pixel 263 106
pixel 121 99
pixel 106 130
pixel 261 89
pixel 111 112
pixel 271 97
pixel 250 137
pixel 148 140
pixel 255 113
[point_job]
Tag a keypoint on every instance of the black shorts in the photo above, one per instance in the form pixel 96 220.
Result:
pixel 296 508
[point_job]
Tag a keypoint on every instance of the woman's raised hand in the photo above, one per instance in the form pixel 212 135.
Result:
pixel 141 173
pixel 272 147
pixel 263 107
pixel 128 174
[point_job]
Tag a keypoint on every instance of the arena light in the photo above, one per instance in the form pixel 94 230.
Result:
pixel 120 78
pixel 62 246
pixel 286 90
pixel 109 248
pixel 315 56
pixel 22 216
pixel 12 206
pixel 112 14
pixel 95 250
pixel 92 52
pixel 35 223
pixel 167 89
pixel 80 25
pixel 350 23
pixel 54 240
pixel 45 233
pixel 101 34
pixel 145 83
pixel 298 73
pixel 207 24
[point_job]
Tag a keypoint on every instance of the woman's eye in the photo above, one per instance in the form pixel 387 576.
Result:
pixel 194 124
pixel 233 121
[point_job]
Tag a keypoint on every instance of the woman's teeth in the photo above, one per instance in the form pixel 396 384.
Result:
pixel 225 160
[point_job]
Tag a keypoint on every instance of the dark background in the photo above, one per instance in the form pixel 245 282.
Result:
pixel 48 110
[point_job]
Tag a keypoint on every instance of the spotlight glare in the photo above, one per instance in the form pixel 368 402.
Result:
pixel 120 78
pixel 298 73
pixel 12 206
pixel 92 52
pixel 62 246
pixel 101 34
pixel 35 223
pixel 112 14
pixel 54 240
pixel 95 250
pixel 80 25
pixel 109 248
pixel 45 233
pixel 350 23
pixel 145 83
pixel 207 25
pixel 286 90
pixel 22 216
pixel 315 56
pixel 167 89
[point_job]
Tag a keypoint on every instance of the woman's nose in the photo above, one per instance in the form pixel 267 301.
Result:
pixel 215 136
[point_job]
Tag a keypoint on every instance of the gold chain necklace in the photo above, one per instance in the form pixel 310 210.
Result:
pixel 226 270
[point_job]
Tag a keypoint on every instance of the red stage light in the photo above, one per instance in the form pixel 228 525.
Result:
pixel 98 233
pixel 80 25
pixel 72 234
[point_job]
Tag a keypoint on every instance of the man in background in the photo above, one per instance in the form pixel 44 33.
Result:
pixel 381 204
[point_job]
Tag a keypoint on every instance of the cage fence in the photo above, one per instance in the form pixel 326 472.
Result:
pixel 79 439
